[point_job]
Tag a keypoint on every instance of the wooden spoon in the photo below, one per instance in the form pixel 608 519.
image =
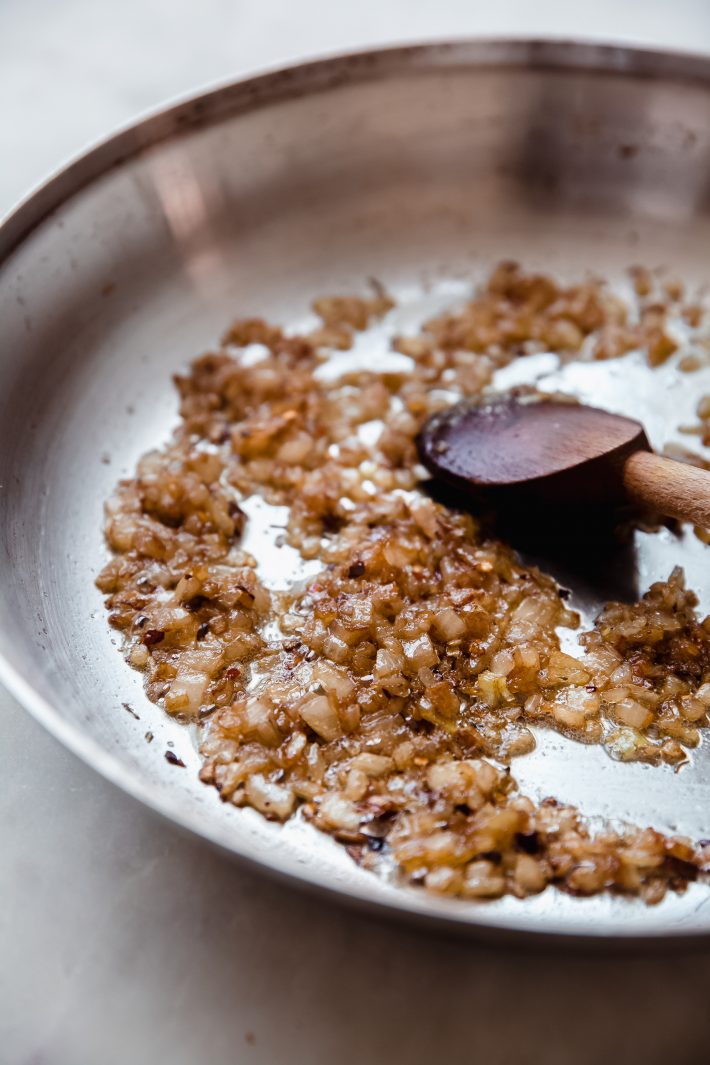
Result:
pixel 562 453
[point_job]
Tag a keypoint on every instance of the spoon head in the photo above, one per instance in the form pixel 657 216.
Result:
pixel 544 446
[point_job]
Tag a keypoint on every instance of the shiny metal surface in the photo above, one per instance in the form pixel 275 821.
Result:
pixel 422 166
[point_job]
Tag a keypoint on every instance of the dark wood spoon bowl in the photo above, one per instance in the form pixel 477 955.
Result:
pixel 559 452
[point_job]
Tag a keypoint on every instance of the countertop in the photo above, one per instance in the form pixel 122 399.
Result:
pixel 123 941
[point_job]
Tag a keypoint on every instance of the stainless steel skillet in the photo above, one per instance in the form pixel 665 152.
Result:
pixel 423 166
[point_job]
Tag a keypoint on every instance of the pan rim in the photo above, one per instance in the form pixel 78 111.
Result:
pixel 207 107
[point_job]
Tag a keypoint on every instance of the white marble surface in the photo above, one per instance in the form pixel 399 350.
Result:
pixel 121 941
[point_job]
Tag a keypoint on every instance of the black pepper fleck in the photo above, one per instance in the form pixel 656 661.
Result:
pixel 528 842
pixel 171 757
pixel 153 636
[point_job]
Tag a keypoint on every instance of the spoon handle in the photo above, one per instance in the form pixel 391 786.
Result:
pixel 676 489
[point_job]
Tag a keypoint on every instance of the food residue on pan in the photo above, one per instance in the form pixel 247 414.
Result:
pixel 386 694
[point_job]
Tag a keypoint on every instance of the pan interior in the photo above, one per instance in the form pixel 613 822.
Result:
pixel 425 174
